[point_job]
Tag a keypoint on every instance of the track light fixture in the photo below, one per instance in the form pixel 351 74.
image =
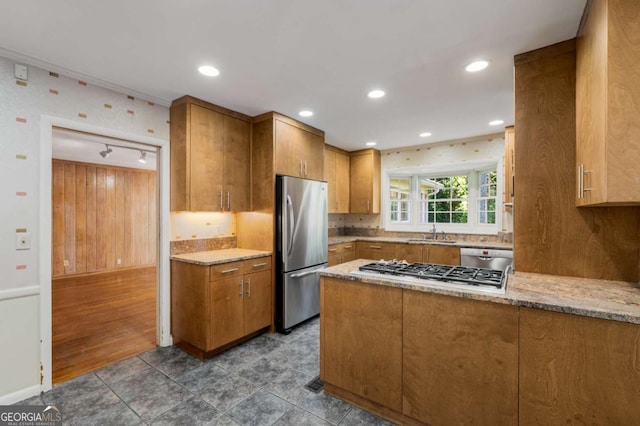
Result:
pixel 143 152
pixel 104 154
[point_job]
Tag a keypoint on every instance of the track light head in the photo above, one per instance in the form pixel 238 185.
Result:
pixel 143 157
pixel 104 154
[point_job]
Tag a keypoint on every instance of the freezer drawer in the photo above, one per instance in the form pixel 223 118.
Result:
pixel 299 296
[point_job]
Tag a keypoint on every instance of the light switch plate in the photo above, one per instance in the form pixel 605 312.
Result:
pixel 21 72
pixel 23 241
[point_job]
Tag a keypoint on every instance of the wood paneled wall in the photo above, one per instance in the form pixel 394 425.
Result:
pixel 552 235
pixel 104 218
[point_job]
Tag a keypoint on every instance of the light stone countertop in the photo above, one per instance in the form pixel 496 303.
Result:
pixel 214 257
pixel 460 243
pixel 612 300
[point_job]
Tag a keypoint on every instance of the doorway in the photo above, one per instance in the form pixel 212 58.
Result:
pixel 45 241
pixel 104 251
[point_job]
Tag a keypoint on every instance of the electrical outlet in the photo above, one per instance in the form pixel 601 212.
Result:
pixel 23 241
pixel 65 262
pixel 118 261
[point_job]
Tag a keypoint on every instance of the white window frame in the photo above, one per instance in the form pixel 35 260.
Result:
pixel 472 171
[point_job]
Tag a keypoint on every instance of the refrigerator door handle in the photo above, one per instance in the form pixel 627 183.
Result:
pixel 290 222
pixel 304 274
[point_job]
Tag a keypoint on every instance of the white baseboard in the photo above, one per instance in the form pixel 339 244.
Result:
pixel 14 397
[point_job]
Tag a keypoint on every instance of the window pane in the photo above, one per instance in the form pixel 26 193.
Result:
pixel 443 218
pixel 491 217
pixel 458 217
pixel 491 205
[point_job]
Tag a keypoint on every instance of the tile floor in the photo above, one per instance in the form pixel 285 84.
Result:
pixel 260 382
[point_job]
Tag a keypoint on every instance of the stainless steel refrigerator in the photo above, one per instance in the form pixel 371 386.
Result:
pixel 301 248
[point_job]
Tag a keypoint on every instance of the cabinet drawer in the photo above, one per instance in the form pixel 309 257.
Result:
pixel 257 264
pixel 225 270
pixel 341 248
pixel 375 250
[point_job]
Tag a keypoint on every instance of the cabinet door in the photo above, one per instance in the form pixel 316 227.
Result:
pixel 206 154
pixel 509 164
pixel 257 301
pixel 330 177
pixel 342 183
pixel 364 181
pixel 361 340
pixel 312 155
pixel 236 164
pixel 576 369
pixel 409 252
pixel 288 160
pixel 460 361
pixel 227 311
pixel 443 255
pixel 375 250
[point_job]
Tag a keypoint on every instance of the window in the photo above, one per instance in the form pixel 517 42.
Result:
pixel 487 199
pixel 458 201
pixel 399 191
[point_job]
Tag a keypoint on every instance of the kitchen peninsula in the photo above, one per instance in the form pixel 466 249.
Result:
pixel 422 353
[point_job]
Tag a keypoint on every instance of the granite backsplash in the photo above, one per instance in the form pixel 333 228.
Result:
pixel 204 244
pixel 501 237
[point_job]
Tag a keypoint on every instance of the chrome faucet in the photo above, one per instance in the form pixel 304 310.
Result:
pixel 444 236
pixel 435 232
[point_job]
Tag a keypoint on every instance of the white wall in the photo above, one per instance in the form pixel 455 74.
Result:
pixel 22 110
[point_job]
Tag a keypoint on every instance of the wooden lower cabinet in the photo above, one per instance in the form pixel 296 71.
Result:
pixel 409 252
pixel 375 250
pixel 341 253
pixel 257 302
pixel 443 255
pixel 578 370
pixel 460 360
pixel 214 306
pixel 361 340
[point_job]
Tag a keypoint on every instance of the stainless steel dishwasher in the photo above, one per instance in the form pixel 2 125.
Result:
pixel 486 258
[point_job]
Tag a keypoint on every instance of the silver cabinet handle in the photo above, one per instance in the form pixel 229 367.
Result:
pixel 300 168
pixel 227 271
pixel 348 247
pixel 305 168
pixel 249 288
pixel 367 206
pixel 258 265
pixel 375 247
pixel 241 288
pixel 580 175
pixel 221 208
pixel 332 250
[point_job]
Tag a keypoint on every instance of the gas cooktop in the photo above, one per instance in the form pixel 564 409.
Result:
pixel 480 279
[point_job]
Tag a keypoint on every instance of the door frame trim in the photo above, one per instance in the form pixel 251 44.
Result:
pixel 47 123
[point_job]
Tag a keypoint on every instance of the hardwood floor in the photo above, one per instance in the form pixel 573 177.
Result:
pixel 100 319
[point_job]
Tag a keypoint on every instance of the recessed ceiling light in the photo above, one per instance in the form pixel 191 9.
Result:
pixel 370 144
pixel 305 113
pixel 476 66
pixel 209 71
pixel 425 134
pixel 374 94
pixel 496 122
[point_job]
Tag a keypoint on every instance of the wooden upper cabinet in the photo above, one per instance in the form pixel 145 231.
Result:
pixel 509 165
pixel 299 149
pixel 365 181
pixel 607 111
pixel 336 173
pixel 210 152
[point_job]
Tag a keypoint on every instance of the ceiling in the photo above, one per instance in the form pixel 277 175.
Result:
pixel 86 148
pixel 288 55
